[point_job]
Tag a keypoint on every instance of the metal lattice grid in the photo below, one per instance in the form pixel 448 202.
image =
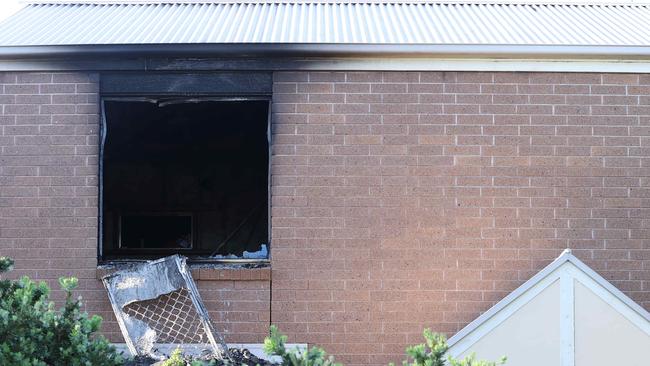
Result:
pixel 157 304
pixel 172 316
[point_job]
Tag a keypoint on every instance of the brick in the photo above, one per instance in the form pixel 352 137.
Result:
pixel 511 77
pixel 57 88
pixel 326 76
pixel 290 76
pixel 34 78
pixel 534 89
pixel 21 89
pixel 32 99
pixel 622 79
pixel 353 77
pixel 73 78
pixel 401 77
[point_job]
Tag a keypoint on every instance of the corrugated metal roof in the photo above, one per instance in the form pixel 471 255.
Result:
pixel 404 23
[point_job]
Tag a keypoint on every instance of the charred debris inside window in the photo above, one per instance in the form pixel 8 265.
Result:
pixel 186 176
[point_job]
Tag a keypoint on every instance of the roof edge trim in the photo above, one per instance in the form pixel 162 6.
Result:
pixel 631 3
pixel 217 64
pixel 329 50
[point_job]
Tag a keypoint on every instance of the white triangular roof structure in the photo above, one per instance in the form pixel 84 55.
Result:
pixel 566 315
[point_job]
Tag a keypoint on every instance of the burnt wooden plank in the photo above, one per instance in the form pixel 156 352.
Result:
pixel 219 83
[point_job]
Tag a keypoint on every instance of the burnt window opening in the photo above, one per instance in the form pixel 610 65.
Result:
pixel 185 176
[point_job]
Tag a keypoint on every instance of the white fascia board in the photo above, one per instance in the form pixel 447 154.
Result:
pixel 471 64
pixel 486 2
pixel 338 64
pixel 331 50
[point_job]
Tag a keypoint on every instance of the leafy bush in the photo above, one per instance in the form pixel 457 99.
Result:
pixel 432 353
pixel 178 359
pixel 6 264
pixel 33 333
pixel 471 361
pixel 274 344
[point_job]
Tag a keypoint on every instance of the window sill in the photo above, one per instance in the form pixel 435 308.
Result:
pixel 249 271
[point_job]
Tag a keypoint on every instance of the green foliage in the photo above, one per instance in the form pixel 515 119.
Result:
pixel 6 264
pixel 432 353
pixel 176 359
pixel 33 333
pixel 274 344
pixel 471 361
pixel 68 284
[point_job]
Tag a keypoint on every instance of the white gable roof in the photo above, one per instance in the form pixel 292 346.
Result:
pixel 578 310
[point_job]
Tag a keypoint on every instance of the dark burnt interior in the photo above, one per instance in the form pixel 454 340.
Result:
pixel 185 177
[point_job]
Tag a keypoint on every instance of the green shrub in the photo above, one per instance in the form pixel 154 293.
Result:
pixel 176 359
pixel 6 264
pixel 472 361
pixel 274 344
pixel 432 353
pixel 33 333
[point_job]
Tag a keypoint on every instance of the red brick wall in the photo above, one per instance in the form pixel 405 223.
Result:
pixel 48 178
pixel 411 200
pixel 49 125
pixel 400 200
pixel 238 301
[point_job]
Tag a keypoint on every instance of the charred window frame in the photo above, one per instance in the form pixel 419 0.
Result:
pixel 224 87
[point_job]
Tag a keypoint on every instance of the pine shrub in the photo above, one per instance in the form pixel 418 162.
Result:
pixel 432 353
pixel 274 345
pixel 34 333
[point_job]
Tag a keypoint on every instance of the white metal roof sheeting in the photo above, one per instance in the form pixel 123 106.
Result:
pixel 61 24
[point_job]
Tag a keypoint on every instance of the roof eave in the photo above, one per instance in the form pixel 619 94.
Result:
pixel 328 50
